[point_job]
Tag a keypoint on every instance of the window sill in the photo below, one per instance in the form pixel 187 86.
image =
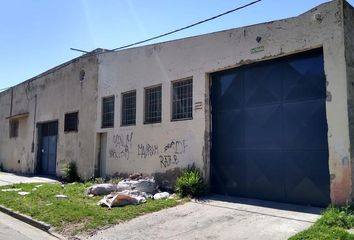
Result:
pixel 71 131
pixel 147 123
pixel 181 119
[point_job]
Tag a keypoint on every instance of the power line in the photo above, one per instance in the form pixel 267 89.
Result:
pixel 168 33
pixel 87 54
pixel 189 26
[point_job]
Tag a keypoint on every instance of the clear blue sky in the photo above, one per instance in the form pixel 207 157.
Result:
pixel 35 35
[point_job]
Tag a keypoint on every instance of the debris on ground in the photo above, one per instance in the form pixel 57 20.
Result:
pixel 133 190
pixel 11 190
pixel 61 196
pixel 135 176
pixel 23 193
pixel 38 186
pixel 121 199
pixel 102 189
pixel 172 196
pixel 147 185
pixel 161 195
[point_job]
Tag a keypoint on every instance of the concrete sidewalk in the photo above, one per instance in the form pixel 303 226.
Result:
pixel 13 229
pixel 12 178
pixel 217 218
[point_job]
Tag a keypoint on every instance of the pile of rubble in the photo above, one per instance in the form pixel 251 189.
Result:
pixel 133 190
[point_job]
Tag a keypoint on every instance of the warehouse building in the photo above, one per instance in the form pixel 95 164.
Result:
pixel 266 111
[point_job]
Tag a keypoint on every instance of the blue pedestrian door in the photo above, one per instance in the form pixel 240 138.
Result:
pixel 269 130
pixel 47 154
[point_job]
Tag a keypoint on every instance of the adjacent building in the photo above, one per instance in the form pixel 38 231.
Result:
pixel 266 111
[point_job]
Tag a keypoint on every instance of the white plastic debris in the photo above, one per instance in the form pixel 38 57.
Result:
pixel 38 186
pixel 161 195
pixel 61 196
pixel 102 189
pixel 11 190
pixel 147 185
pixel 23 193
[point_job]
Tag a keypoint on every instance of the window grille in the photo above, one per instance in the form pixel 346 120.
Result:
pixel 129 108
pixel 108 112
pixel 14 123
pixel 71 122
pixel 153 104
pixel 182 100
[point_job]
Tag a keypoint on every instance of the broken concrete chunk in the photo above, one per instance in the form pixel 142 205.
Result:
pixel 161 195
pixel 147 185
pixel 23 193
pixel 102 189
pixel 11 190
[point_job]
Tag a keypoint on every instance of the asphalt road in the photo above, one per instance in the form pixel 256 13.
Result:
pixel 13 229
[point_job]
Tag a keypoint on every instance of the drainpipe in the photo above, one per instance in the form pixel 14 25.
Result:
pixel 34 121
pixel 12 99
pixel 34 132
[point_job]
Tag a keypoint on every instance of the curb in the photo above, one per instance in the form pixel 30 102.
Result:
pixel 38 224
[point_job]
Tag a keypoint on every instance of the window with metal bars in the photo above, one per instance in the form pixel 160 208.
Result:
pixel 71 122
pixel 108 112
pixel 153 105
pixel 129 108
pixel 14 123
pixel 182 99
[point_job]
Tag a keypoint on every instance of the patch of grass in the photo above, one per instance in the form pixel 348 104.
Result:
pixel 331 226
pixel 78 213
pixel 191 183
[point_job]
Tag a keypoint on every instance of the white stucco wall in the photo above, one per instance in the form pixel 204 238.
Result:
pixel 137 68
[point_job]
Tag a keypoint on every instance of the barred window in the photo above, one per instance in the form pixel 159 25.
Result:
pixel 14 123
pixel 182 92
pixel 108 112
pixel 153 105
pixel 129 108
pixel 71 122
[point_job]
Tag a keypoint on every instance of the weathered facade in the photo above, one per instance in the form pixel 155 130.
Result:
pixel 46 99
pixel 128 121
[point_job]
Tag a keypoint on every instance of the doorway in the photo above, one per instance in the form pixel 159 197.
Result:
pixel 47 148
pixel 101 170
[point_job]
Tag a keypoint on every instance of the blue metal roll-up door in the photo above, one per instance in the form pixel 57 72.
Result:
pixel 269 130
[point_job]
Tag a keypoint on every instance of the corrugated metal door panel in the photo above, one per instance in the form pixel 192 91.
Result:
pixel 269 130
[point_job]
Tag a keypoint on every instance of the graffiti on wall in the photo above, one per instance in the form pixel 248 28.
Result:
pixel 148 150
pixel 177 146
pixel 172 151
pixel 168 154
pixel 121 147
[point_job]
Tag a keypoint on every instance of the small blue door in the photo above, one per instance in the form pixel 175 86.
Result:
pixel 48 133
